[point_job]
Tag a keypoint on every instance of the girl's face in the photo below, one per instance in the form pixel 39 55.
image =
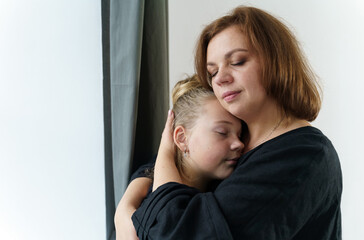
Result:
pixel 235 74
pixel 214 142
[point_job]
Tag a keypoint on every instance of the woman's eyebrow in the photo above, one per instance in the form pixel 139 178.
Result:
pixel 228 54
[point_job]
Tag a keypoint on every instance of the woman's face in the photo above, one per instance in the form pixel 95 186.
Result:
pixel 214 142
pixel 235 74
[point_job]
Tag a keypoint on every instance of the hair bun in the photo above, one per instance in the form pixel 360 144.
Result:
pixel 184 86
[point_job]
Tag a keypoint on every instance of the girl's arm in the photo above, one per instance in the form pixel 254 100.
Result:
pixel 165 169
pixel 131 200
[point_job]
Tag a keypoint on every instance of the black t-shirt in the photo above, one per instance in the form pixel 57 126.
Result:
pixel 287 188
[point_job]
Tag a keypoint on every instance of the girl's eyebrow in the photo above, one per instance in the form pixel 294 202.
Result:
pixel 224 121
pixel 228 54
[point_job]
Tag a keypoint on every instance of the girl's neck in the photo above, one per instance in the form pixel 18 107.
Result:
pixel 193 179
pixel 196 183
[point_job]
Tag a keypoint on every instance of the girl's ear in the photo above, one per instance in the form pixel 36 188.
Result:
pixel 180 138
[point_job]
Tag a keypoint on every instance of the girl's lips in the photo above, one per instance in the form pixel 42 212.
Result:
pixel 230 95
pixel 232 161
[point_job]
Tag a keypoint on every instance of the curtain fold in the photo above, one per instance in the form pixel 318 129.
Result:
pixel 154 87
pixel 135 66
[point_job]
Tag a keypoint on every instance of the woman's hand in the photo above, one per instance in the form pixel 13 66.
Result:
pixel 131 200
pixel 165 169
pixel 167 146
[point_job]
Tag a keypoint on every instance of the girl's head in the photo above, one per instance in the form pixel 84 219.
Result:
pixel 206 135
pixel 284 72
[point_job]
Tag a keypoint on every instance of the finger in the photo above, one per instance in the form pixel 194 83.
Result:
pixel 170 116
pixel 169 122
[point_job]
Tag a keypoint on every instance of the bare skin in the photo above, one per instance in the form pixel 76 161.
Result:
pixel 134 194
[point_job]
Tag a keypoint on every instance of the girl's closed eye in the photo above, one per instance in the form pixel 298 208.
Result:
pixel 221 132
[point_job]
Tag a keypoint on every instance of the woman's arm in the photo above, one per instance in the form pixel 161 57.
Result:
pixel 131 200
pixel 286 188
pixel 165 169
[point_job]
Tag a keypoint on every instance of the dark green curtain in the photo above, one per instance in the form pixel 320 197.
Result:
pixel 135 68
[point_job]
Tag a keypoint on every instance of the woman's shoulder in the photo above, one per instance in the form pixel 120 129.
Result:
pixel 308 132
pixel 307 137
pixel 301 152
pixel 305 147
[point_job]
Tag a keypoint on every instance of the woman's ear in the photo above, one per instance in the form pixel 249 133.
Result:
pixel 180 138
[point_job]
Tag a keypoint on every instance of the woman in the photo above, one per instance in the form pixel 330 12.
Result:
pixel 288 183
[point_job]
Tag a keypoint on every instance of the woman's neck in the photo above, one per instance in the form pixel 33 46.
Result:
pixel 261 134
pixel 269 124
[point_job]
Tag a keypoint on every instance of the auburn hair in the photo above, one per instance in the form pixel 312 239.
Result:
pixel 286 74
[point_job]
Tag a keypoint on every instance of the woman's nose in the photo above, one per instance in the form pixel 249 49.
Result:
pixel 223 76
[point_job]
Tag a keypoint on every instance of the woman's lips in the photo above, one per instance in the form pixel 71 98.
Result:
pixel 230 95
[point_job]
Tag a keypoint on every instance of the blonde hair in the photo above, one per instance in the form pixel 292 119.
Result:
pixel 286 75
pixel 188 97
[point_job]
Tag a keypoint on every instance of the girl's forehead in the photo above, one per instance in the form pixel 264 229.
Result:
pixel 213 112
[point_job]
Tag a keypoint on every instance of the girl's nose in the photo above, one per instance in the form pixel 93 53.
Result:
pixel 237 145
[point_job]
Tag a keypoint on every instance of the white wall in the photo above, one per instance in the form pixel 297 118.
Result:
pixel 51 120
pixel 332 35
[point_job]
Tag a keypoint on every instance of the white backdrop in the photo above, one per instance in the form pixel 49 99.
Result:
pixel 331 33
pixel 51 120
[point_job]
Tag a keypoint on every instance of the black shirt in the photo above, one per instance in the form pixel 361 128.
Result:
pixel 287 188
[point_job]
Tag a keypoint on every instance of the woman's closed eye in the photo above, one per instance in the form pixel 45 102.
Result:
pixel 213 74
pixel 234 63
pixel 238 63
